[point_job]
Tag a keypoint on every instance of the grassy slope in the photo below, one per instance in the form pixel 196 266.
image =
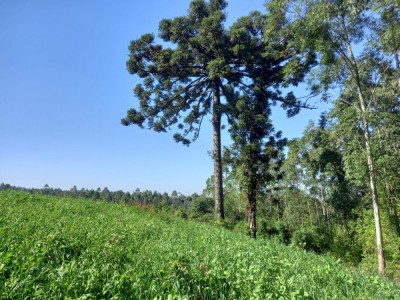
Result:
pixel 66 248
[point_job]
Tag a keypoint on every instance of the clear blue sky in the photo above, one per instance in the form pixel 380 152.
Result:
pixel 64 88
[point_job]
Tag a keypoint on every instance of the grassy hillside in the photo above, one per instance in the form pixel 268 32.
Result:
pixel 66 248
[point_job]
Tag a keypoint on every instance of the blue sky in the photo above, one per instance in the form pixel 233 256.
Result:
pixel 64 88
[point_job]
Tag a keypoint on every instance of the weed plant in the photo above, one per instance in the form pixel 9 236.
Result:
pixel 64 248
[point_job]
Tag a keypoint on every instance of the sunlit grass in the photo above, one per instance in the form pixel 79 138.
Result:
pixel 55 248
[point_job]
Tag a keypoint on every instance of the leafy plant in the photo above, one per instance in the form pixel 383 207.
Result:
pixel 55 247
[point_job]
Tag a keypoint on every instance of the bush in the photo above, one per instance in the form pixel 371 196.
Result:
pixel 278 229
pixel 201 208
pixel 241 228
pixel 346 245
pixel 365 229
pixel 313 238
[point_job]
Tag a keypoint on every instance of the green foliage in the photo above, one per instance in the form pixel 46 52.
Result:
pixel 179 83
pixel 358 48
pixel 56 248
pixel 366 236
pixel 278 229
pixel 202 207
pixel 313 238
pixel 210 69
pixel 346 245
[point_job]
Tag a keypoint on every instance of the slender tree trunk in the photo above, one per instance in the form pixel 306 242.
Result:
pixel 373 188
pixel 309 211
pixel 352 63
pixel 375 204
pixel 323 203
pixel 253 180
pixel 322 190
pixel 216 123
pixel 396 56
pixel 251 212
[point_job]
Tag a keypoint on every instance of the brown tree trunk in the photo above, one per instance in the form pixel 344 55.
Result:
pixel 251 208
pixel 252 183
pixel 216 123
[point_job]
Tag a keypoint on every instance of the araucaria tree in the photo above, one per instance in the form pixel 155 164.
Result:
pixel 198 75
pixel 183 84
pixel 257 152
pixel 265 51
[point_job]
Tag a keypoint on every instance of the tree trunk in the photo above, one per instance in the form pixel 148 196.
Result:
pixel 254 148
pixel 375 204
pixel 396 56
pixel 251 208
pixel 371 170
pixel 372 182
pixel 316 212
pixel 216 123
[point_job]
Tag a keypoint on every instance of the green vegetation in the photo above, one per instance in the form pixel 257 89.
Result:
pixel 321 195
pixel 59 247
pixel 207 68
pixel 343 52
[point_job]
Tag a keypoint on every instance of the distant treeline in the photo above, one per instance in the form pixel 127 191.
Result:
pixel 174 201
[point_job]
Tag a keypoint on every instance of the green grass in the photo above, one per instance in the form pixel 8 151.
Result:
pixel 53 248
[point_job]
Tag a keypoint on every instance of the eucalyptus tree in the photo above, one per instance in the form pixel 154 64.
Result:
pixel 195 71
pixel 315 164
pixel 342 32
pixel 384 63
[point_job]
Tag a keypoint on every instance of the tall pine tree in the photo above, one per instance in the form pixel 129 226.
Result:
pixel 202 71
pixel 183 84
pixel 264 49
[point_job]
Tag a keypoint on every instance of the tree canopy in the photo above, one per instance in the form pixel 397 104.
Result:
pixel 200 63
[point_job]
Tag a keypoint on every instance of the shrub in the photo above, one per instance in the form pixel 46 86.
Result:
pixel 346 245
pixel 365 229
pixel 201 207
pixel 313 238
pixel 278 229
